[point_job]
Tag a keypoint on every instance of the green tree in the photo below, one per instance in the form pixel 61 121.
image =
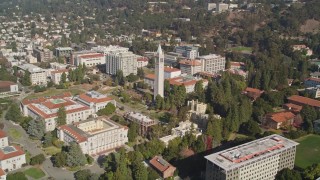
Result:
pixel 62 116
pixel 139 171
pixel 63 78
pixel 17 176
pixel 59 159
pixel 132 78
pixel 14 113
pixel 140 73
pixel 286 174
pixel 159 102
pixel 75 157
pixel 36 128
pixel 38 159
pixel 85 174
pixel 26 80
pixel 312 172
pixel 133 132
pixel 47 139
pixel 108 110
pixel 250 128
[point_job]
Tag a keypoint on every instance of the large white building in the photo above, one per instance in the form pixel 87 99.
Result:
pixel 258 159
pixel 38 75
pixel 46 108
pixel 57 74
pixel 159 75
pixel 95 136
pixel 190 67
pixel 12 158
pixel 89 59
pixel 124 61
pixel 212 63
pixel 95 100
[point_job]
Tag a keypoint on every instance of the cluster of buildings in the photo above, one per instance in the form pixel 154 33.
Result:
pixel 12 157
pixel 78 108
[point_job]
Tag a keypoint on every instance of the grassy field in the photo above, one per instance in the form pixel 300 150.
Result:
pixel 14 134
pixel 308 151
pixel 53 91
pixel 35 173
pixel 52 150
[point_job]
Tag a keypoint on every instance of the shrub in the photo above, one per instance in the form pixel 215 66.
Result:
pixel 38 159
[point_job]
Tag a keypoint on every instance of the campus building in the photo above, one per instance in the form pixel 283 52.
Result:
pixel 42 54
pixel 57 74
pixel 12 158
pixel 3 139
pixel 190 67
pixel 8 87
pixel 38 76
pixel 212 63
pixel 258 159
pixel 94 136
pixel 63 51
pixel 143 121
pixel 89 59
pixel 95 100
pixel 164 168
pixel 190 52
pixel 46 108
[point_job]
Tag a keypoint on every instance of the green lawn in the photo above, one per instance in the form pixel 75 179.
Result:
pixel 308 151
pixel 53 91
pixel 51 150
pixel 15 134
pixel 35 173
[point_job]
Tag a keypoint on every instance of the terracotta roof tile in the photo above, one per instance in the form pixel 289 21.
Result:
pixel 18 152
pixel 43 99
pixel 281 116
pixel 150 76
pixel 160 164
pixel 88 56
pixel 78 137
pixel 87 98
pixel 170 69
pixel 190 62
pixel 313 79
pixel 2 134
pixel 2 172
pixel 6 84
pixel 300 100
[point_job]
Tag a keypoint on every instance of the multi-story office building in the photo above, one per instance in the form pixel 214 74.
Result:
pixel 212 63
pixel 95 100
pixel 257 160
pixel 94 136
pixel 63 51
pixel 125 61
pixel 190 67
pixel 42 54
pixel 143 121
pixel 38 76
pixel 189 52
pixel 46 109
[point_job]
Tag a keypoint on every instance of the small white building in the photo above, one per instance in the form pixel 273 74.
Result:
pixel 57 74
pixel 95 136
pixel 12 158
pixel 170 72
pixel 38 75
pixel 95 100
pixel 142 62
pixel 90 59
pixel 8 87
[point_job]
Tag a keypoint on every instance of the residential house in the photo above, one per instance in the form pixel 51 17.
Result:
pixel 278 120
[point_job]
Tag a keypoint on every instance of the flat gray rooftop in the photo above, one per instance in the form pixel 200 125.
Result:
pixel 243 154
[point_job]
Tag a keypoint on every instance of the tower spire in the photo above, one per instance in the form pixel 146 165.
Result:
pixel 159 51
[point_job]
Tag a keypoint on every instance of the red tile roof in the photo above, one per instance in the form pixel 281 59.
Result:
pixel 281 116
pixel 171 69
pixel 313 79
pixel 2 172
pixel 233 63
pixel 2 134
pixel 150 76
pixel 16 153
pixel 144 59
pixel 6 84
pixel 160 164
pixel 300 100
pixel 293 107
pixel 43 99
pixel 190 62
pixel 88 56
pixel 253 92
pixel 78 137
pixel 51 105
pixel 87 98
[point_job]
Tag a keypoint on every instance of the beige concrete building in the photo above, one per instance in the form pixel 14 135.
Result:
pixel 57 74
pixel 38 75
pixel 95 136
pixel 212 63
pixel 143 121
pixel 190 67
pixel 260 159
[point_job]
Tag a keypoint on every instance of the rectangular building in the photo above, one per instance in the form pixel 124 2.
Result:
pixel 8 87
pixel 63 51
pixel 95 136
pixel 12 158
pixel 38 76
pixel 42 54
pixel 190 52
pixel 212 63
pixel 258 159
pixel 89 59
pixel 95 100
pixel 46 109
pixel 56 75
pixel 304 101
pixel 124 61
pixel 143 121
pixel 190 67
